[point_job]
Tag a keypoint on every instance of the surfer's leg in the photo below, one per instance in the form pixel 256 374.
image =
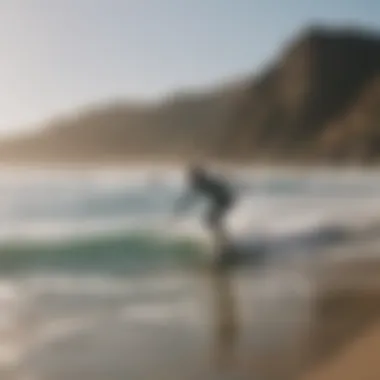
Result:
pixel 215 224
pixel 226 321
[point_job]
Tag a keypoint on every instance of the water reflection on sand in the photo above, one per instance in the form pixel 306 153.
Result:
pixel 218 324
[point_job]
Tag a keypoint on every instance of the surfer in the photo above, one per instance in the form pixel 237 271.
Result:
pixel 221 198
pixel 219 195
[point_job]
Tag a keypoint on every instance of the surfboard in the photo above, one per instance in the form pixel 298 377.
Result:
pixel 240 253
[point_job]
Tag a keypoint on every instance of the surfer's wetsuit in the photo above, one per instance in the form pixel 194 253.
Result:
pixel 217 192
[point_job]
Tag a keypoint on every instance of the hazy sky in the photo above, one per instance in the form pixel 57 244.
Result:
pixel 60 54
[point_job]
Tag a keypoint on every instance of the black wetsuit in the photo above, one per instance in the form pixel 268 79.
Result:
pixel 219 194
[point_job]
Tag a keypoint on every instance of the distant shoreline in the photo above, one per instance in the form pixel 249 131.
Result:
pixel 171 165
pixel 301 110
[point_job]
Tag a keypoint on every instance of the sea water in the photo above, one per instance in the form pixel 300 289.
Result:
pixel 100 281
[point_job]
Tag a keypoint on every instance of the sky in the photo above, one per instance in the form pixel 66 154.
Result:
pixel 58 55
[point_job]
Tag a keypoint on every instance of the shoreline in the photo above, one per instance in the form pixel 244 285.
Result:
pixel 156 164
pixel 346 330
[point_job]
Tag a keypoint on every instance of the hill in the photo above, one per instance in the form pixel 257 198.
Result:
pixel 318 102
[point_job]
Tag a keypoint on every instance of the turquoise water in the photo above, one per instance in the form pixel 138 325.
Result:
pixel 113 254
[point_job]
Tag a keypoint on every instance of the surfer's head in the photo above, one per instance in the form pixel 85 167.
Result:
pixel 196 172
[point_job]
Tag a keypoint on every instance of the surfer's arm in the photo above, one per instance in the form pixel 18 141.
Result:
pixel 184 202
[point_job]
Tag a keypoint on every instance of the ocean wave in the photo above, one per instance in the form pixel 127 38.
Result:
pixel 116 220
pixel 132 251
pixel 113 253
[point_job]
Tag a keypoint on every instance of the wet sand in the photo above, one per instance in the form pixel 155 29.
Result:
pixel 342 341
pixel 271 329
pixel 220 326
pixel 345 338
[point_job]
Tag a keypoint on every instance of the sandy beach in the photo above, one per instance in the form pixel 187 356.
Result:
pixel 330 332
pixel 342 341
pixel 345 338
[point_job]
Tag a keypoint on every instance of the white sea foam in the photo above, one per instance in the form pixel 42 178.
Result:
pixel 46 206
